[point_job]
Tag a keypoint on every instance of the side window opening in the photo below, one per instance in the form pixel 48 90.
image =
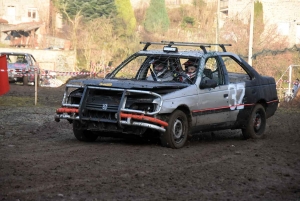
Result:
pixel 236 73
pixel 213 70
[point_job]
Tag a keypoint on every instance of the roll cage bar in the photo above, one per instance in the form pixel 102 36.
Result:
pixel 203 46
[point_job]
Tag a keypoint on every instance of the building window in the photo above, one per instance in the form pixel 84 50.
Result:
pixel 32 13
pixel 11 10
pixel 11 14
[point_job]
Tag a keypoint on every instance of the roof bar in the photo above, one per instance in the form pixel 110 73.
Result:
pixel 147 44
pixel 170 43
pixel 197 44
pixel 203 48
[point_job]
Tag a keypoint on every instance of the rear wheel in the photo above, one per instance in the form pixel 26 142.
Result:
pixel 256 124
pixel 83 135
pixel 177 131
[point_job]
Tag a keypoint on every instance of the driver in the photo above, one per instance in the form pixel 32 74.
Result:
pixel 161 71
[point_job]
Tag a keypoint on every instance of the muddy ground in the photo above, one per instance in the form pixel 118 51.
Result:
pixel 40 159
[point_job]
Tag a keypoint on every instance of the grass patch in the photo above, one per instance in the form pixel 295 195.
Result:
pixel 16 101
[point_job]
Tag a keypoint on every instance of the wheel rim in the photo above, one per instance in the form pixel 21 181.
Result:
pixel 178 131
pixel 257 121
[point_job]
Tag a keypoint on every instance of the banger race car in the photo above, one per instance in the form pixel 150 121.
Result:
pixel 21 67
pixel 156 92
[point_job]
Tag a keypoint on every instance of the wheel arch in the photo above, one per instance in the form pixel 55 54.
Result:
pixel 263 102
pixel 186 110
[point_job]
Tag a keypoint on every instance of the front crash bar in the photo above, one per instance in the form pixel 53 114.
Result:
pixel 67 110
pixel 144 118
pixel 129 118
pixel 72 110
pixel 123 101
pixel 142 124
pixel 127 92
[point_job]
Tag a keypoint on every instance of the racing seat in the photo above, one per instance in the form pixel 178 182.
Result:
pixel 207 72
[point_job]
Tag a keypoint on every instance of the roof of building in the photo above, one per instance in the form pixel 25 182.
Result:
pixel 27 26
pixel 3 21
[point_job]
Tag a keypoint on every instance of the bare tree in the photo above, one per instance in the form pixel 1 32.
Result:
pixel 75 22
pixel 96 49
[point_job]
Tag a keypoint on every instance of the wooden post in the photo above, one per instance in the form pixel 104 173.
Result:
pixel 251 33
pixel 217 26
pixel 35 86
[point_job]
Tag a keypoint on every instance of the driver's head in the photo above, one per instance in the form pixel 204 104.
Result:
pixel 189 63
pixel 191 69
pixel 159 66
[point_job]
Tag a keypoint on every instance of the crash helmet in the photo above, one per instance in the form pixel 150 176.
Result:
pixel 191 71
pixel 159 66
pixel 191 67
pixel 190 62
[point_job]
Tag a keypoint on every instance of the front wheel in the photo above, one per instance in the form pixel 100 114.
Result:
pixel 177 131
pixel 83 135
pixel 25 80
pixel 256 124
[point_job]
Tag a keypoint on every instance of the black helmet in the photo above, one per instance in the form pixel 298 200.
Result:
pixel 159 66
pixel 191 62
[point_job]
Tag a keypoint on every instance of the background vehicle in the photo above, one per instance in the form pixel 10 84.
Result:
pixel 226 93
pixel 21 67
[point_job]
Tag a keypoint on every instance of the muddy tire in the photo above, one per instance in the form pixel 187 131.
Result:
pixel 83 135
pixel 256 124
pixel 177 131
pixel 25 80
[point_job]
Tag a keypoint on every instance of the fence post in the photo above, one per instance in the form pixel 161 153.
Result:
pixel 35 86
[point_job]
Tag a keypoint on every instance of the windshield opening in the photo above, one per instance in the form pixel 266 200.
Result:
pixel 160 68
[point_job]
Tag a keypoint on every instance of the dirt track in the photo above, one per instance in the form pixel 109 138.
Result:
pixel 42 160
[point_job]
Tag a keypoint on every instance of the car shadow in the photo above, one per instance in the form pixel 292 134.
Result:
pixel 203 137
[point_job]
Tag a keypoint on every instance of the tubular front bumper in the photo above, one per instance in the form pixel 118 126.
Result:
pixel 125 116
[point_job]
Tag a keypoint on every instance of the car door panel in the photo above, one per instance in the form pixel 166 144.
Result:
pixel 213 106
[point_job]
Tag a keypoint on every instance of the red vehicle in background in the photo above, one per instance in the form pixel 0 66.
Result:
pixel 21 67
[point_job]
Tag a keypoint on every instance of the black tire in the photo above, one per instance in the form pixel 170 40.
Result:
pixel 83 135
pixel 177 131
pixel 256 124
pixel 25 80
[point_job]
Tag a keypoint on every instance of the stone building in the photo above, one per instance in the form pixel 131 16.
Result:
pixel 33 18
pixel 284 14
pixel 26 23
